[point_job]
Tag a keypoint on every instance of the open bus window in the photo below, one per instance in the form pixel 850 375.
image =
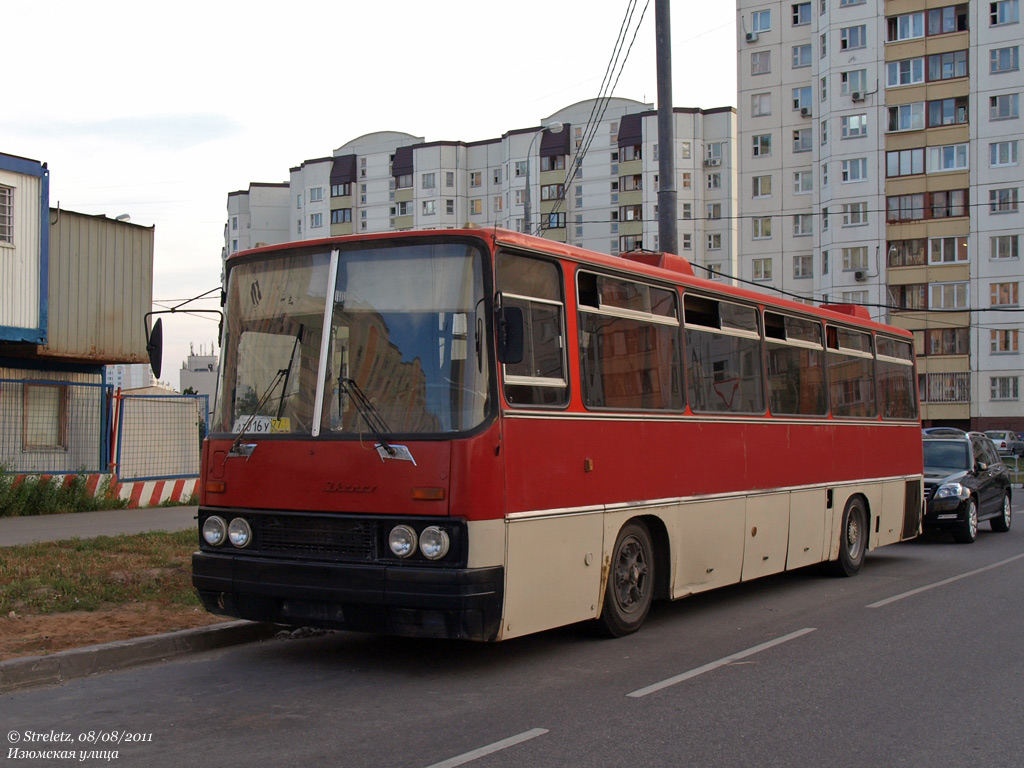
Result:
pixel 795 354
pixel 723 356
pixel 629 345
pixel 851 374
pixel 535 286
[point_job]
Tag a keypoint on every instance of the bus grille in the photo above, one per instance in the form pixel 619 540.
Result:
pixel 315 538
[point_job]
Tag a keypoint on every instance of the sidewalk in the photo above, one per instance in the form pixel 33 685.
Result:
pixel 32 671
pixel 87 525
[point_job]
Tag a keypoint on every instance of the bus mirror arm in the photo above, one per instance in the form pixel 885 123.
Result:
pixel 510 335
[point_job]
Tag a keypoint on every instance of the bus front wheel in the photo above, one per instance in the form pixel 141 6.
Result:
pixel 627 597
pixel 853 541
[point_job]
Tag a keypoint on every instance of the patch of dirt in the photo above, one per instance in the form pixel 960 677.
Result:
pixel 43 634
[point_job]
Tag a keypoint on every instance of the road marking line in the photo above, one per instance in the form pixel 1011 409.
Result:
pixel 944 582
pixel 720 663
pixel 511 741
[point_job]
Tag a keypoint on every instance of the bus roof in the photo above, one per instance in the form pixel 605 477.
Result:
pixel 654 264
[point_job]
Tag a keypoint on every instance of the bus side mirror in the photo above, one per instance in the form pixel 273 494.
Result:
pixel 155 347
pixel 510 335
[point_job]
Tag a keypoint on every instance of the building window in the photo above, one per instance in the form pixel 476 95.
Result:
pixel 761 21
pixel 947 250
pixel 802 140
pixel 551 192
pixel 801 14
pixel 6 214
pixel 554 221
pixel 449 179
pixel 762 186
pixel 1004 387
pixel 341 216
pixel 947 204
pixel 429 207
pixel 944 21
pixel 714 210
pixel 316 194
pixel 760 104
pixel 1006 106
pixel 762 269
pixel 1003 341
pixel 855 214
pixel 45 417
pixel 906 117
pixel 905 72
pixel 803 225
pixel 853 81
pixel 852 37
pixel 762 228
pixel 948 296
pixel 801 56
pixel 907 253
pixel 234 246
pixel 1002 200
pixel 1004 12
pixel 952 157
pixel 714 181
pixel 476 178
pixel 947 341
pixel 824 262
pixel 499 203
pixel 908 297
pixel 449 207
pixel 1004 60
pixel 802 98
pixel 855 258
pixel 947 112
pixel 1004 294
pixel 803 182
pixel 316 220
pixel 404 181
pixel 714 242
pixel 687 211
pixel 476 207
pixel 428 181
pixel 946 66
pixel 1004 247
pixel 687 241
pixel 909 26
pixel 234 221
pixel 855 170
pixel 341 190
pixel 853 126
pixel 803 266
pixel 762 145
pixel 760 62
pixel 1002 153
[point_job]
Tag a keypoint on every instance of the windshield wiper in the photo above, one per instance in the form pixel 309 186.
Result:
pixel 281 374
pixel 369 413
pixel 288 373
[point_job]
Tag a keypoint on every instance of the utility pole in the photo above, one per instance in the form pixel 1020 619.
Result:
pixel 668 233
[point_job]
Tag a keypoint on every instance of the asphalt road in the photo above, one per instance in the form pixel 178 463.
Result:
pixel 916 661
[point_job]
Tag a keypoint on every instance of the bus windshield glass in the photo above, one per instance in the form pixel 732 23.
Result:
pixel 406 344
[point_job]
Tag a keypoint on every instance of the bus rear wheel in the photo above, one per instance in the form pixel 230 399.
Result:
pixel 853 539
pixel 627 597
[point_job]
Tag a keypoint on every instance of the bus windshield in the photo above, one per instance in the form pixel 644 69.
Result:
pixel 406 343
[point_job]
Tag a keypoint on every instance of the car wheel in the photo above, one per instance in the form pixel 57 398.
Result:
pixel 853 539
pixel 627 597
pixel 967 531
pixel 1001 524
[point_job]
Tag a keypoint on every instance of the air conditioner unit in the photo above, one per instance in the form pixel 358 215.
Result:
pixel 857 96
pixel 751 37
pixel 860 275
pixel 805 111
pixel 713 162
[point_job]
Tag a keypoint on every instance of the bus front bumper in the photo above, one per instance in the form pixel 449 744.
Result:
pixel 412 601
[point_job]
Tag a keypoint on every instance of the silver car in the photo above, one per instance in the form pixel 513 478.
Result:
pixel 1007 442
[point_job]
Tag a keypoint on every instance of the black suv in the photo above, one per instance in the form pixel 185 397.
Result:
pixel 965 481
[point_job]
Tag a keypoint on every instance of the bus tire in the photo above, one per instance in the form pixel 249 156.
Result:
pixel 630 588
pixel 853 539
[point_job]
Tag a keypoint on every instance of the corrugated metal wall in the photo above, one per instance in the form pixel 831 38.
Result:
pixel 101 287
pixel 19 265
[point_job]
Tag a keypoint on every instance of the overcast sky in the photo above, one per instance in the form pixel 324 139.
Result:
pixel 159 111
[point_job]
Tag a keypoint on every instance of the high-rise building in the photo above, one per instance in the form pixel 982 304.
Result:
pixel 592 170
pixel 878 164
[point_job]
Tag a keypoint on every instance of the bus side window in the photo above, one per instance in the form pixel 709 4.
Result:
pixel 851 373
pixel 723 356
pixel 535 286
pixel 897 390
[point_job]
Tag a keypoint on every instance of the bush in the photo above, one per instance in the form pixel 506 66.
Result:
pixel 56 494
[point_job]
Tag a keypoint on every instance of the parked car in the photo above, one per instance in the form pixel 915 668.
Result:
pixel 951 431
pixel 1007 443
pixel 965 482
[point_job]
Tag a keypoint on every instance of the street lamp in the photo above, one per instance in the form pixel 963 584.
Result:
pixel 555 127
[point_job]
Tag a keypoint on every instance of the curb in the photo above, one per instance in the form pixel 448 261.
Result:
pixel 34 671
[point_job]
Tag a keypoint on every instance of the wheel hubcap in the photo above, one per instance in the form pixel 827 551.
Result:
pixel 631 575
pixel 853 535
pixel 972 520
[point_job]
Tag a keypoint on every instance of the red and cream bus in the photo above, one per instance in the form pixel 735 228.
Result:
pixel 480 434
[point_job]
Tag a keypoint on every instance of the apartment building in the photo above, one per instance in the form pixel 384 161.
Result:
pixel 587 175
pixel 878 164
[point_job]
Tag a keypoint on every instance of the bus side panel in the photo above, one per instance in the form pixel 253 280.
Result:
pixel 707 543
pixel 808 521
pixel 553 575
pixel 767 535
pixel 890 514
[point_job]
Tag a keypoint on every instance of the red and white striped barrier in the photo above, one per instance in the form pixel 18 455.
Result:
pixel 138 493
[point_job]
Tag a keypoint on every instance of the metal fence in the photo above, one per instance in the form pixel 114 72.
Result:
pixel 53 427
pixel 158 437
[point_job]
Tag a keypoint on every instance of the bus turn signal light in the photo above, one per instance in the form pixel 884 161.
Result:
pixel 216 486
pixel 428 493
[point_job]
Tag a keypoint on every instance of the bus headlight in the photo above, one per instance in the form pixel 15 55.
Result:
pixel 402 540
pixel 434 543
pixel 239 532
pixel 214 530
